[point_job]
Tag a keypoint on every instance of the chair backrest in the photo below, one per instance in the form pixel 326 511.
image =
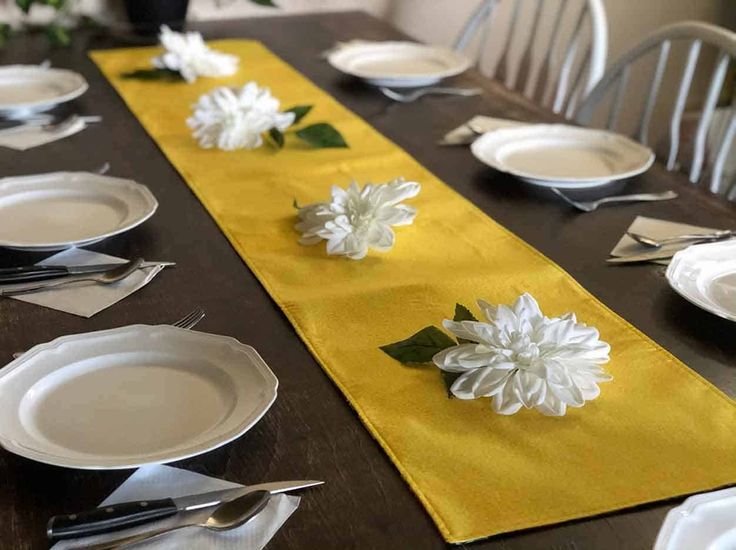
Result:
pixel 558 65
pixel 695 35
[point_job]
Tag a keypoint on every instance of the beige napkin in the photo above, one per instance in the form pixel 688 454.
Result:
pixel 32 135
pixel 657 229
pixel 469 132
pixel 86 299
pixel 157 481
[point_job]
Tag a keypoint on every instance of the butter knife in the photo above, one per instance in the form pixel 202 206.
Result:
pixel 129 514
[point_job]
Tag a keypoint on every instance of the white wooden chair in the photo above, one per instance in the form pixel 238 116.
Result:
pixel 561 38
pixel 695 35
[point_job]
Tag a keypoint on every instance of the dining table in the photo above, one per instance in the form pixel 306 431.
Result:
pixel 311 432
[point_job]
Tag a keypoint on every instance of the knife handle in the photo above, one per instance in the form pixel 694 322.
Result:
pixel 109 518
pixel 27 273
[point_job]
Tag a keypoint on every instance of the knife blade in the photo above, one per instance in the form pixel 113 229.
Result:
pixel 644 257
pixel 129 514
pixel 33 273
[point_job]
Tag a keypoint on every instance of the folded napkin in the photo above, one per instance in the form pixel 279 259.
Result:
pixel 656 229
pixel 157 481
pixel 469 132
pixel 32 135
pixel 86 299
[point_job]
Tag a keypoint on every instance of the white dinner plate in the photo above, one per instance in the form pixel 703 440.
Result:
pixel 131 396
pixel 60 210
pixel 702 522
pixel 705 274
pixel 397 64
pixel 27 89
pixel 562 156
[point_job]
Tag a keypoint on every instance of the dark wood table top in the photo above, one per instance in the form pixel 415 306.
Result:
pixel 311 432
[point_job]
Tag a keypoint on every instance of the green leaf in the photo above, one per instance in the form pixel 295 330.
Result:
pixel 300 111
pixel 268 3
pixel 295 204
pixel 463 314
pixel 24 5
pixel 153 74
pixel 58 35
pixel 449 379
pixel 56 4
pixel 4 34
pixel 421 347
pixel 277 137
pixel 322 136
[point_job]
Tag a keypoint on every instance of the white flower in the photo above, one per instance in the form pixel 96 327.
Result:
pixel 358 219
pixel 522 358
pixel 235 119
pixel 187 54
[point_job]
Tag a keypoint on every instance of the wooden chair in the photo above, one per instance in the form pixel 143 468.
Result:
pixel 695 35
pixel 576 44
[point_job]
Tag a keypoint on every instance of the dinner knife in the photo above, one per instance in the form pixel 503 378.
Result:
pixel 644 257
pixel 129 514
pixel 33 273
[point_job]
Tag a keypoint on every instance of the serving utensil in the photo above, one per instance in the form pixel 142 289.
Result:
pixel 590 206
pixel 408 97
pixel 130 514
pixel 227 516
pixel 702 237
pixel 106 278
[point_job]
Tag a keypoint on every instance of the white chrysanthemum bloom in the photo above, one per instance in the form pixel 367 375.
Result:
pixel 236 119
pixel 356 219
pixel 521 358
pixel 187 54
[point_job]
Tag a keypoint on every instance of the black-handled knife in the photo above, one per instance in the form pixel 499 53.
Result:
pixel 129 514
pixel 32 273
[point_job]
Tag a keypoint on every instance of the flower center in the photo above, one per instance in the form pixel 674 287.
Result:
pixel 523 351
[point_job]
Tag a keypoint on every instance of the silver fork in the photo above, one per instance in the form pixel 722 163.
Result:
pixel 589 206
pixel 408 97
pixel 187 322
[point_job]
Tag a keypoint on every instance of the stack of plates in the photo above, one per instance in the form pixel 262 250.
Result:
pixel 705 274
pixel 131 396
pixel 64 209
pixel 26 89
pixel 561 156
pixel 397 64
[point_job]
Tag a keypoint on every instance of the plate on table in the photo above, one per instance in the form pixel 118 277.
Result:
pixel 60 210
pixel 26 89
pixel 398 64
pixel 702 521
pixel 562 156
pixel 131 396
pixel 705 274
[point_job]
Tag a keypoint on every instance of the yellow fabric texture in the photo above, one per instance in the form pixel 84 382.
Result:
pixel 658 430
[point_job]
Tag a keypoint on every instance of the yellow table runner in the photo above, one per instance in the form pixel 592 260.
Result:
pixel 657 431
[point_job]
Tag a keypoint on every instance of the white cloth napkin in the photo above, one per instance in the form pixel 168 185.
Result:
pixel 29 136
pixel 157 481
pixel 86 299
pixel 468 132
pixel 657 229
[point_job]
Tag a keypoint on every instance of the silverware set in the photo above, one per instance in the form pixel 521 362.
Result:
pixel 233 508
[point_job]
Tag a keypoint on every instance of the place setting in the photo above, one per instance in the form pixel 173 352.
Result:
pixel 402 71
pixel 34 107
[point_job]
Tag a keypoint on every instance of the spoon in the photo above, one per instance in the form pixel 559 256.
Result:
pixel 106 278
pixel 658 243
pixel 228 515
